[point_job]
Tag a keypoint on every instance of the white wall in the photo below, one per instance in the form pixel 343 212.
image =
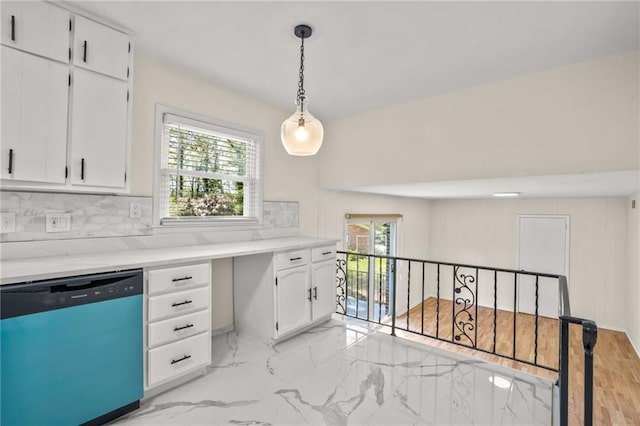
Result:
pixel 484 232
pixel 574 119
pixel 632 293
pixel 286 178
pixel 413 229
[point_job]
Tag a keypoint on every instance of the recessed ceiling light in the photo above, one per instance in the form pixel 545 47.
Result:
pixel 506 194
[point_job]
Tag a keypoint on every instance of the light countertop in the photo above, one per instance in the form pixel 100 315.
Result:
pixel 40 268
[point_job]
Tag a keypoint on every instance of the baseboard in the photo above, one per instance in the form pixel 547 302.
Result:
pixel 633 345
pixel 611 327
pixel 222 330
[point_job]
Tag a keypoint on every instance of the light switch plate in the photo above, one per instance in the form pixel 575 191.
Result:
pixel 7 223
pixel 58 222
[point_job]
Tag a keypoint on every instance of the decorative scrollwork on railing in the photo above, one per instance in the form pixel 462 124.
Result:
pixel 466 298
pixel 341 284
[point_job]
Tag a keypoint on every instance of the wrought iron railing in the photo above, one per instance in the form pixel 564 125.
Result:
pixel 492 310
pixel 589 338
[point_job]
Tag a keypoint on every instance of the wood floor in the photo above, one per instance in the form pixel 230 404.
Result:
pixel 616 365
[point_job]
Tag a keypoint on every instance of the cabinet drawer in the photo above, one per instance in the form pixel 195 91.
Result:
pixel 319 254
pixel 177 358
pixel 182 277
pixel 99 48
pixel 172 329
pixel 292 259
pixel 36 27
pixel 182 302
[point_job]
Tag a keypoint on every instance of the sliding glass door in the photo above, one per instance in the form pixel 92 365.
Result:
pixel 370 279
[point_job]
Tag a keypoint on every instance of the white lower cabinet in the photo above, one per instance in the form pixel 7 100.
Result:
pixel 178 358
pixel 324 288
pixel 293 299
pixel 278 295
pixel 178 322
pixel 172 329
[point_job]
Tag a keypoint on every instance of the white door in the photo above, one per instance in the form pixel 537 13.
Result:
pixel 36 27
pixel 100 48
pixel 324 288
pixel 293 299
pixel 34 118
pixel 543 246
pixel 98 130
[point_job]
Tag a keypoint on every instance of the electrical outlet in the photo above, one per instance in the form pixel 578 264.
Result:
pixel 7 223
pixel 58 222
pixel 135 210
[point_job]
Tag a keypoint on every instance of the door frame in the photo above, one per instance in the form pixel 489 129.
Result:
pixel 567 233
pixel 394 245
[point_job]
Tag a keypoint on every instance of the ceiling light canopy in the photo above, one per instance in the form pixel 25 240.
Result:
pixel 302 133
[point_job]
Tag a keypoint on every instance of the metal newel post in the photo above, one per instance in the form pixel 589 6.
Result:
pixel 393 298
pixel 563 381
pixel 589 338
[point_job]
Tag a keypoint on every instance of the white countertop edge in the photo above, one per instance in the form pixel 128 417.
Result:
pixel 42 268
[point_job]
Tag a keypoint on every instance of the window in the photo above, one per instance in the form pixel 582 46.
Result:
pixel 208 172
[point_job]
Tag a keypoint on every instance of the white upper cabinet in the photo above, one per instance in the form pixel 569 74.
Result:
pixel 101 49
pixel 98 140
pixel 36 27
pixel 34 118
pixel 65 100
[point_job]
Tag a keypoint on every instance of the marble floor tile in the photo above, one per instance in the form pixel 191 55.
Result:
pixel 347 374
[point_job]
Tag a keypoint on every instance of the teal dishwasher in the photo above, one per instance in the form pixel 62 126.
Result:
pixel 71 349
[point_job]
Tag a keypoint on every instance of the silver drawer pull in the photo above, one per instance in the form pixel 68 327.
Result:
pixel 186 302
pixel 295 258
pixel 182 328
pixel 175 361
pixel 175 280
pixel 324 253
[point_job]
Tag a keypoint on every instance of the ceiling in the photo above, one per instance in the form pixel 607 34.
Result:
pixel 367 55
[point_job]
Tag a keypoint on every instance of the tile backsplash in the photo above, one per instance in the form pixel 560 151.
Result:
pixel 95 216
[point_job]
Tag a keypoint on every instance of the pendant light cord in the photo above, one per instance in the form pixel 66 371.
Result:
pixel 301 93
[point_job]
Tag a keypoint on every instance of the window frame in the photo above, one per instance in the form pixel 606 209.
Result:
pixel 215 126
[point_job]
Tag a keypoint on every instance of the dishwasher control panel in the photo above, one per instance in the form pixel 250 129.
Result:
pixel 27 298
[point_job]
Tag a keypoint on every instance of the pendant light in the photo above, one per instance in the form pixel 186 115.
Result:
pixel 302 133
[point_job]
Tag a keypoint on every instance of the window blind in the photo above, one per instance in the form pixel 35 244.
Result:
pixel 208 172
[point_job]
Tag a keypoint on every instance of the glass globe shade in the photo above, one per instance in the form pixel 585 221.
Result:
pixel 302 133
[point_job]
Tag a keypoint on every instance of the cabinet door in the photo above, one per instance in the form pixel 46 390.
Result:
pixel 323 281
pixel 293 299
pixel 36 27
pixel 34 118
pixel 98 130
pixel 99 48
